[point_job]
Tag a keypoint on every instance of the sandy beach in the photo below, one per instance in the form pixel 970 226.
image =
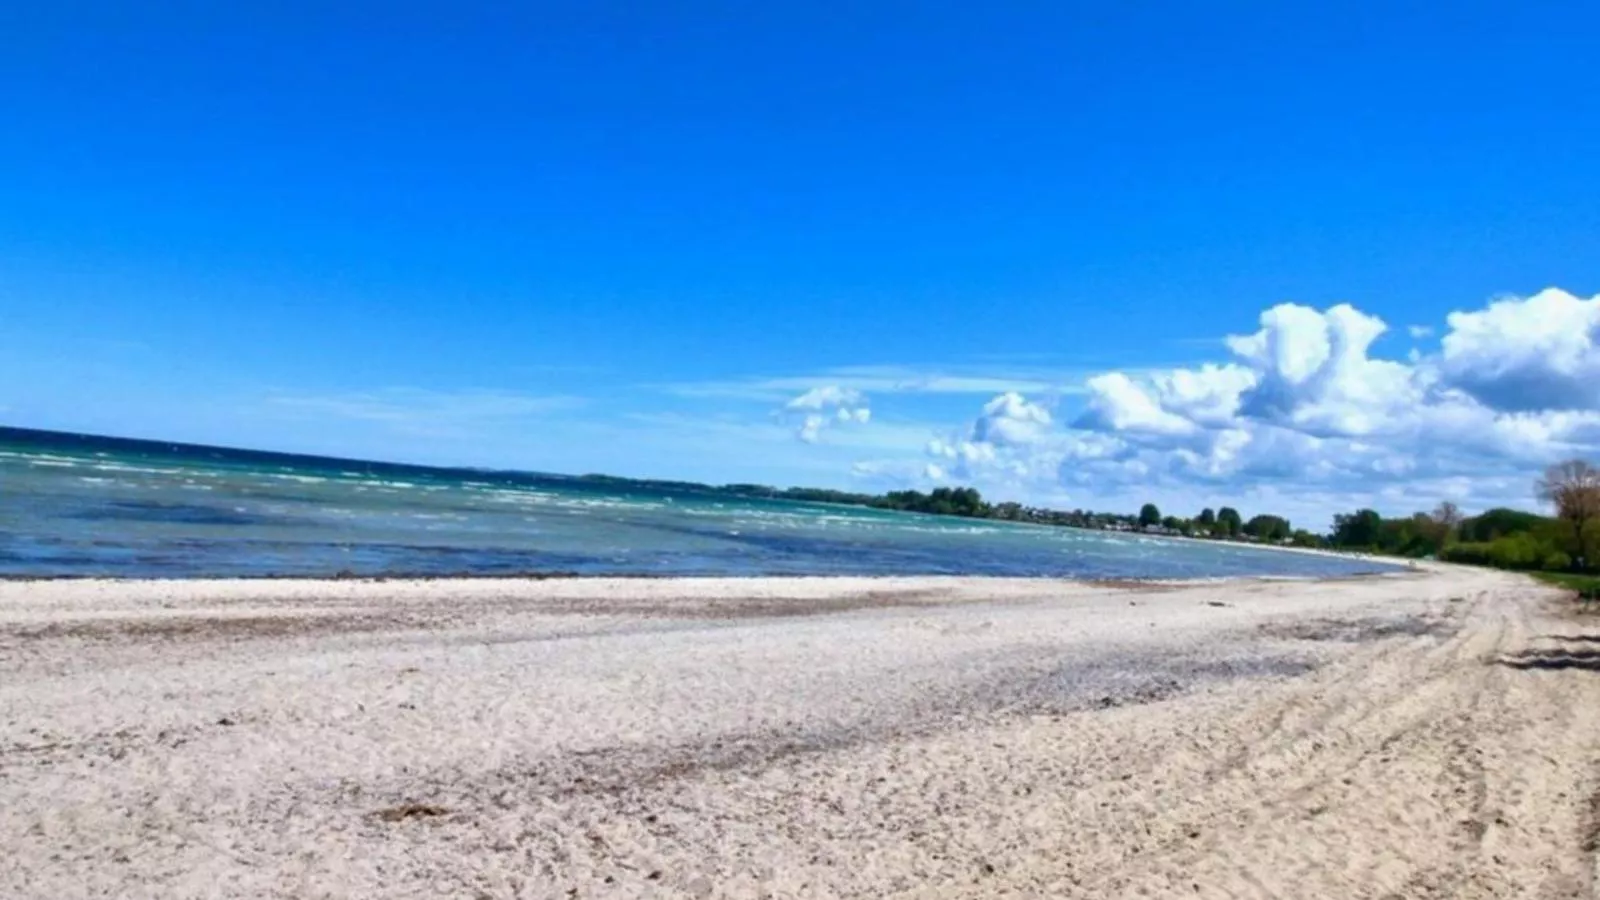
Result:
pixel 1431 734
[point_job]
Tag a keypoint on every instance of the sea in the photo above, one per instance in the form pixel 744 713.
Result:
pixel 76 505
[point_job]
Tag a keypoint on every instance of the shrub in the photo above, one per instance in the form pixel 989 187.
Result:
pixel 1515 551
pixel 1557 562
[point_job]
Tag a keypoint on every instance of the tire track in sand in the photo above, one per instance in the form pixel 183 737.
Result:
pixel 1422 724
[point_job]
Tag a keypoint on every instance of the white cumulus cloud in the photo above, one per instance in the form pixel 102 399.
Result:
pixel 1117 403
pixel 826 397
pixel 1010 439
pixel 848 406
pixel 811 428
pixel 1538 353
pixel 1306 414
pixel 1313 372
pixel 1010 419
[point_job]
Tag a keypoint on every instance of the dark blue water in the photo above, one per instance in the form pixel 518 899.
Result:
pixel 79 505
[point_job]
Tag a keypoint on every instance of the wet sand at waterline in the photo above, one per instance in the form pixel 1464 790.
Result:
pixel 1425 734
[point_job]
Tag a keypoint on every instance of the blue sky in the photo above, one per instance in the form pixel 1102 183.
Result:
pixel 633 237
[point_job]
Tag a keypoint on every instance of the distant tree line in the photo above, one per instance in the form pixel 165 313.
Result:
pixel 941 502
pixel 1225 523
pixel 1569 541
pixel 1416 535
pixel 1504 538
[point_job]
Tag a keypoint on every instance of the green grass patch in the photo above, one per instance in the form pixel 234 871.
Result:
pixel 1587 586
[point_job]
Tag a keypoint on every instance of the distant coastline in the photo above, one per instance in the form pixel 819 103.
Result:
pixel 961 502
pixel 86 506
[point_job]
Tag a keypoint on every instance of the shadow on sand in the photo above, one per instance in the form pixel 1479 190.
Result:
pixel 1554 658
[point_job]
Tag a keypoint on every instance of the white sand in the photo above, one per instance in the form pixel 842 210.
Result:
pixel 1431 734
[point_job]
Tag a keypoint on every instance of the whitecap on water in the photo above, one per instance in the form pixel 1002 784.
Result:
pixel 120 467
pixel 302 479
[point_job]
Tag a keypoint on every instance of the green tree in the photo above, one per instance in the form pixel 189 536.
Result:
pixel 1010 511
pixel 1268 528
pixel 1149 515
pixel 1412 536
pixel 1229 522
pixel 1359 529
pixel 943 501
pixel 1501 522
pixel 1207 518
pixel 1304 538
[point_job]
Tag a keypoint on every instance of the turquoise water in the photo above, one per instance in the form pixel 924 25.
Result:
pixel 80 505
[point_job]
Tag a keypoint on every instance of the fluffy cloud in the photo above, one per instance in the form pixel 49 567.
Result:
pixel 1306 414
pixel 1008 445
pixel 811 428
pixel 966 452
pixel 1312 372
pixel 1011 420
pixel 825 397
pixel 820 407
pixel 1542 353
pixel 1116 403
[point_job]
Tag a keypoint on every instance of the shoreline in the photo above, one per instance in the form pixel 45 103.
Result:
pixel 1396 567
